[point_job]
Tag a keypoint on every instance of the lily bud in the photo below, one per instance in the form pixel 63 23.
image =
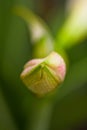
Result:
pixel 43 75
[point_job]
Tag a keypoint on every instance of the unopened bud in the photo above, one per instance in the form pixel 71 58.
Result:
pixel 43 75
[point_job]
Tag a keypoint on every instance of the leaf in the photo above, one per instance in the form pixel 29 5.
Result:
pixel 6 119
pixel 75 27
pixel 41 38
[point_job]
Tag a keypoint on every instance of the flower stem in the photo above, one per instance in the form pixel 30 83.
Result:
pixel 42 116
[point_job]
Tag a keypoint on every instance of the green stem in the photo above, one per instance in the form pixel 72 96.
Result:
pixel 41 115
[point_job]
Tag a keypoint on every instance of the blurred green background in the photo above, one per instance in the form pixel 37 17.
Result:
pixel 19 108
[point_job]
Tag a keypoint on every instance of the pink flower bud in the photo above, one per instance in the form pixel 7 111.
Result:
pixel 43 75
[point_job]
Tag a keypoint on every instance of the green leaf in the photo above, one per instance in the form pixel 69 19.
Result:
pixel 41 38
pixel 6 120
pixel 75 26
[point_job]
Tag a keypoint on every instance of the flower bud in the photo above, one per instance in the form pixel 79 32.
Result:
pixel 43 75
